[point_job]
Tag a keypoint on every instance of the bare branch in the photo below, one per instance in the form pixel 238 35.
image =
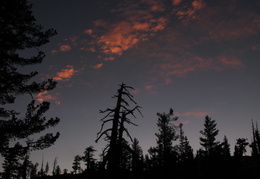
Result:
pixel 105 132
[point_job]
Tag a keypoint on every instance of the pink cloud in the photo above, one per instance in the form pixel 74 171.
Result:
pixel 109 58
pixel 65 74
pixel 230 61
pixel 149 87
pixel 65 48
pixel 54 51
pixel 176 2
pixel 88 31
pixel 138 24
pixel 45 96
pixel 98 66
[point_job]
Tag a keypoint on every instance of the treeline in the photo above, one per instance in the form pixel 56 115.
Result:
pixel 166 160
pixel 172 155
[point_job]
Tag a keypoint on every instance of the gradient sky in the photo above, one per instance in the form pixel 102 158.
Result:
pixel 198 57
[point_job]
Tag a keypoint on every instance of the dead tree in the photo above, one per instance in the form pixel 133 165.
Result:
pixel 114 135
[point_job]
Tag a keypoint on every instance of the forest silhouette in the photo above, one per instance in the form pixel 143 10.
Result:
pixel 122 157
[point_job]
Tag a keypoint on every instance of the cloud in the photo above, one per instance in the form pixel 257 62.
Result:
pixel 180 66
pixel 231 62
pixel 65 74
pixel 65 48
pixel 136 22
pixel 45 96
pixel 88 31
pixel 187 12
pixel 98 66
pixel 176 2
pixel 149 87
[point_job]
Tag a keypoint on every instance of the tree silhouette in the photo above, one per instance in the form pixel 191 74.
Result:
pixel 12 158
pixel 19 32
pixel 163 154
pixel 240 147
pixel 114 135
pixel 137 156
pixel 89 157
pixel 225 147
pixel 185 150
pixel 210 132
pixel 55 163
pixel 76 164
pixel 46 168
pixel 255 144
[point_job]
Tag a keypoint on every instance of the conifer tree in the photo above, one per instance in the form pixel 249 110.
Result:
pixel 89 157
pixel 209 140
pixel 46 169
pixel 55 163
pixel 12 161
pixel 76 164
pixel 225 147
pixel 137 156
pixel 163 153
pixel 255 144
pixel 240 147
pixel 185 150
pixel 19 31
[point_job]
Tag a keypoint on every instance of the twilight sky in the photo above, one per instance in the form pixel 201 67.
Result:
pixel 198 57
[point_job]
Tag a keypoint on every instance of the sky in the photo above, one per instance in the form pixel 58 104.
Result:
pixel 198 57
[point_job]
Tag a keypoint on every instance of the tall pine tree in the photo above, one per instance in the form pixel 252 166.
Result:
pixel 20 32
pixel 209 140
pixel 163 154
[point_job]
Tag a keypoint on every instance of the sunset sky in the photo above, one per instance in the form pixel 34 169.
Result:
pixel 199 57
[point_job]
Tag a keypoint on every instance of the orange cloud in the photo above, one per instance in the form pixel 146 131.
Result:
pixel 176 2
pixel 187 12
pixel 198 4
pixel 109 58
pixel 54 51
pixel 65 74
pixel 65 48
pixel 88 31
pixel 98 66
pixel 149 87
pixel 138 23
pixel 45 96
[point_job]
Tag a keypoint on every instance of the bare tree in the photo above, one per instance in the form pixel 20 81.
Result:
pixel 118 116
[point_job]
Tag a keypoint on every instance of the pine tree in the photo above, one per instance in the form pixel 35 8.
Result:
pixel 46 169
pixel 255 144
pixel 225 147
pixel 240 147
pixel 58 170
pixel 55 162
pixel 209 140
pixel 163 153
pixel 33 173
pixel 137 156
pixel 20 32
pixel 185 150
pixel 89 157
pixel 76 164
pixel 12 161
